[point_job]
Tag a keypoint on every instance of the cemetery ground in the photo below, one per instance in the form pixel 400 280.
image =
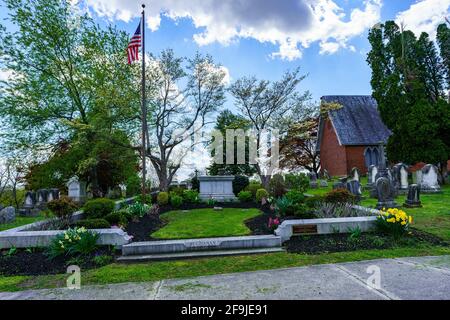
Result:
pixel 430 237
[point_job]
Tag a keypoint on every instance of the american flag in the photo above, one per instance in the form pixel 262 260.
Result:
pixel 133 46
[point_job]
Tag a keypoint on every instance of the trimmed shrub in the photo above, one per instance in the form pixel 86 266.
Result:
pixel 296 197
pixel 190 196
pixel 260 194
pixel 163 198
pixel 98 208
pixel 245 196
pixel 297 181
pixel 239 184
pixel 116 218
pixel 277 187
pixel 63 207
pixel 147 199
pixel 301 211
pixel 195 183
pixel 176 190
pixel 93 223
pixel 314 201
pixel 176 201
pixel 339 196
pixel 253 187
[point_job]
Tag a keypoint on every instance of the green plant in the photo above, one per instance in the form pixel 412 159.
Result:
pixel 260 194
pixel 176 190
pixel 12 251
pixel 245 196
pixel 295 196
pixel 98 208
pixel 62 208
pixel 336 210
pixel 190 196
pixel 211 202
pixel 239 184
pixel 314 201
pixel 117 218
pixel 282 206
pixel 355 233
pixel 297 181
pixel 137 210
pixel 277 187
pixel 163 198
pixel 253 187
pixel 133 185
pixel 394 222
pixel 93 223
pixel 147 199
pixel 339 196
pixel 102 260
pixel 301 211
pixel 176 201
pixel 72 242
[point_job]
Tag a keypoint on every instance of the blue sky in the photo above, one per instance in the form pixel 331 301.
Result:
pixel 326 38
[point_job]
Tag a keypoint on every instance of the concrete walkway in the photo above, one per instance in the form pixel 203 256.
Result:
pixel 404 278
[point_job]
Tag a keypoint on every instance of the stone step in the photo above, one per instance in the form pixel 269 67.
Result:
pixel 195 254
pixel 203 244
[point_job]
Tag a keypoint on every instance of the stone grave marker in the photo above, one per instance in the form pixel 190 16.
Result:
pixel 413 198
pixel 77 190
pixel 430 178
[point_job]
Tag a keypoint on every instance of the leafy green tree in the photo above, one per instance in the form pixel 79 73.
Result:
pixel 409 86
pixel 228 120
pixel 71 85
pixel 443 39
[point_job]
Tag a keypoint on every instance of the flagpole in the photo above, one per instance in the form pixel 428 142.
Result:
pixel 144 108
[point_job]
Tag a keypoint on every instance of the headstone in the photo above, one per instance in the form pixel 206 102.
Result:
pixel 77 190
pixel 339 185
pixel 30 200
pixel 326 175
pixel 371 174
pixel 323 183
pixel 7 215
pixel 216 187
pixel 385 193
pixel 430 178
pixel 41 197
pixel 354 187
pixel 354 174
pixel 53 194
pixel 403 177
pixel 313 180
pixel 413 198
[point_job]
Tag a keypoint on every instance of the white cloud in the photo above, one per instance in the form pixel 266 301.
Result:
pixel 290 24
pixel 424 16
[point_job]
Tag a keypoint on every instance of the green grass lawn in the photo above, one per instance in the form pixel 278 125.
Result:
pixel 203 223
pixel 433 217
pixel 20 221
pixel 153 271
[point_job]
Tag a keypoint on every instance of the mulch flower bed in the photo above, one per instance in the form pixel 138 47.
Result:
pixel 36 262
pixel 316 244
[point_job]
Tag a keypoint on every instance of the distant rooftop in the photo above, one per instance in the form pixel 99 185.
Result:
pixel 358 122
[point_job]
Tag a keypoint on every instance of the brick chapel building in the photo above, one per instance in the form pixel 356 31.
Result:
pixel 349 136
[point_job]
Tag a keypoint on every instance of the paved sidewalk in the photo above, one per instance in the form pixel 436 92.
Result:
pixel 404 278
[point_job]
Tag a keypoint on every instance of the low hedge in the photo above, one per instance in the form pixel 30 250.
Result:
pixel 98 208
pixel 93 224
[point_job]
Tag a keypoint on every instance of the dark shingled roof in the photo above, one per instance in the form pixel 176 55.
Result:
pixel 358 122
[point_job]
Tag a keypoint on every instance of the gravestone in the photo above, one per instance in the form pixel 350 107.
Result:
pixel 430 178
pixel 7 215
pixel 77 190
pixel 417 177
pixel 313 180
pixel 413 198
pixel 30 200
pixel 371 174
pixel 339 185
pixel 323 183
pixel 354 187
pixel 354 174
pixel 53 194
pixel 216 187
pixel 326 175
pixel 41 198
pixel 385 193
pixel 403 176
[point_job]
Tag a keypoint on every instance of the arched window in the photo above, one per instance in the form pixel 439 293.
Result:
pixel 371 156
